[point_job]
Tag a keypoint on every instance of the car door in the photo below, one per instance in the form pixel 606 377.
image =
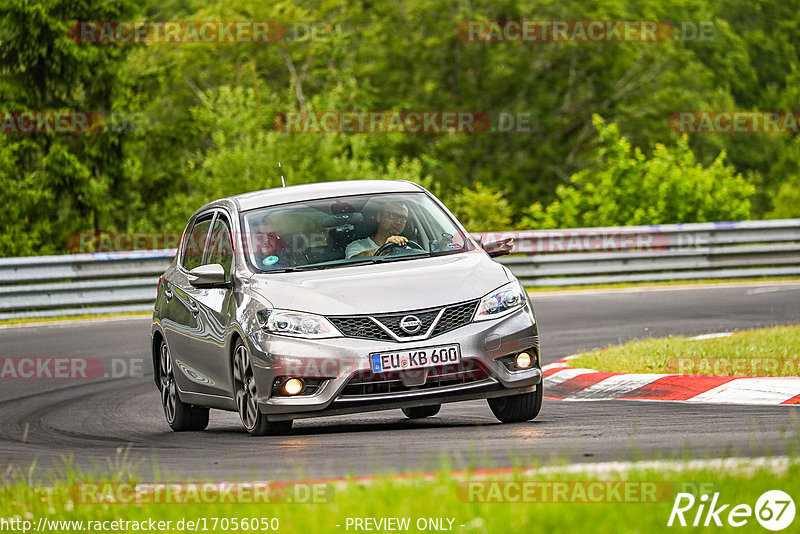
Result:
pixel 183 328
pixel 213 308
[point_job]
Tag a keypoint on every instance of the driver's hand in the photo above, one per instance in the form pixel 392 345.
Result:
pixel 397 240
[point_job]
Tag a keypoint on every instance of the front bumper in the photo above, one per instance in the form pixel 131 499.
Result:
pixel 339 360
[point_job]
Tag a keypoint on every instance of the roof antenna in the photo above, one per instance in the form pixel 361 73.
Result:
pixel 281 169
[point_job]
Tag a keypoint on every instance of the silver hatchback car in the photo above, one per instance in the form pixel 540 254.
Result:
pixel 335 298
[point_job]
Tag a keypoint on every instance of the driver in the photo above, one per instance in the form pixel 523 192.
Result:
pixel 391 219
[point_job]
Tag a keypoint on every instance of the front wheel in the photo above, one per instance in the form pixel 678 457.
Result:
pixel 180 417
pixel 517 408
pixel 419 412
pixel 244 383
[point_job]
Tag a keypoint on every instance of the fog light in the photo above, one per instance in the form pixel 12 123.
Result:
pixel 293 386
pixel 524 360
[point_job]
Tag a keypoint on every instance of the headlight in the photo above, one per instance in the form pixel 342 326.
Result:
pixel 297 324
pixel 501 302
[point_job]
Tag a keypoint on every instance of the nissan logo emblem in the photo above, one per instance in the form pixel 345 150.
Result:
pixel 410 324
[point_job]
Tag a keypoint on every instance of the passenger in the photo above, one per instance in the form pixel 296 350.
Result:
pixel 267 244
pixel 391 219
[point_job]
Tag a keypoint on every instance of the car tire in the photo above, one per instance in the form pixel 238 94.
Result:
pixel 180 417
pixel 517 408
pixel 420 412
pixel 245 393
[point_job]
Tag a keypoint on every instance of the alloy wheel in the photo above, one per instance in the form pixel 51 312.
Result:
pixel 169 394
pixel 245 388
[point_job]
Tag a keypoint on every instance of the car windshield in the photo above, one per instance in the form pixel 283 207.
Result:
pixel 321 234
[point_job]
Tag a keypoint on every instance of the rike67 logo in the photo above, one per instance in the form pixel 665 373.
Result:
pixel 774 510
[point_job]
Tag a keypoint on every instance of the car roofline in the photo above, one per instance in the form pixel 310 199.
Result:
pixel 319 191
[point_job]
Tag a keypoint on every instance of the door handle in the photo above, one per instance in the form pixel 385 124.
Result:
pixel 168 294
pixel 193 308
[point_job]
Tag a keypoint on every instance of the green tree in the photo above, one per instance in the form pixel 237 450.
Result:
pixel 481 208
pixel 65 182
pixel 626 187
pixel 211 106
pixel 22 196
pixel 786 199
pixel 244 152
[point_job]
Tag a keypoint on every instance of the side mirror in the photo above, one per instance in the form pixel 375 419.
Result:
pixel 499 248
pixel 208 276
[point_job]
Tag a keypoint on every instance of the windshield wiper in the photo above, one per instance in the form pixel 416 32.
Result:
pixel 318 267
pixel 404 257
pixel 315 266
pixel 365 261
pixel 281 270
pixel 447 252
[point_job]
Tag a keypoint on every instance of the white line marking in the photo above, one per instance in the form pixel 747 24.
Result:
pixel 746 391
pixel 778 464
pixel 760 290
pixel 554 365
pixel 766 390
pixel 564 375
pixel 711 336
pixel 614 386
pixel 688 287
pixel 560 362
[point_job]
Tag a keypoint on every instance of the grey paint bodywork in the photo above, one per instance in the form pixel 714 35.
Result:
pixel 201 325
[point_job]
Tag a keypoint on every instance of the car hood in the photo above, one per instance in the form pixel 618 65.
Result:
pixel 388 287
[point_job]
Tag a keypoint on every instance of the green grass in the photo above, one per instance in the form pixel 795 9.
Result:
pixel 665 283
pixel 764 352
pixel 444 496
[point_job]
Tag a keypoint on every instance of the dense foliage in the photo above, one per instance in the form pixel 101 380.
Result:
pixel 625 187
pixel 211 111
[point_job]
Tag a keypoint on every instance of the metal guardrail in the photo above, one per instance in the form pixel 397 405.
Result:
pixel 76 284
pixel 48 286
pixel 653 253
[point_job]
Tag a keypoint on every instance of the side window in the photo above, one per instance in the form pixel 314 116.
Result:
pixel 220 248
pixel 195 240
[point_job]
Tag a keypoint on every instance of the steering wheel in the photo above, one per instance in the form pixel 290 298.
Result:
pixel 387 246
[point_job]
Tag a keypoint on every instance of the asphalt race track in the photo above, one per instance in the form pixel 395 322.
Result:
pixel 92 420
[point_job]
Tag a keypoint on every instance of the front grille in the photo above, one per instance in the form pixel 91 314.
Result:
pixel 365 327
pixel 362 327
pixel 366 383
pixel 392 322
pixel 455 316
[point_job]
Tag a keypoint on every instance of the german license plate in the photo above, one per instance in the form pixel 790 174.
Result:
pixel 402 360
